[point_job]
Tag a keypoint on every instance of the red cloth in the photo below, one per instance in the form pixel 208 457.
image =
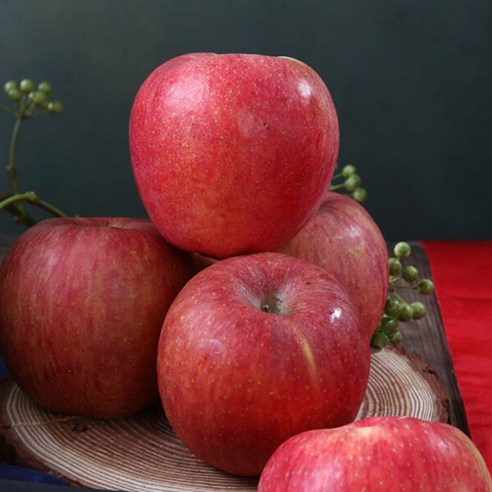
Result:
pixel 462 273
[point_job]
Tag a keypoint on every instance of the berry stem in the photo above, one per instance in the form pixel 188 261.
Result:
pixel 398 296
pixel 337 176
pixel 6 108
pixel 24 216
pixel 14 182
pixel 33 199
pixel 27 104
pixel 397 309
pixel 402 286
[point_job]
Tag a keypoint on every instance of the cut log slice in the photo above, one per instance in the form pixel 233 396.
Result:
pixel 142 453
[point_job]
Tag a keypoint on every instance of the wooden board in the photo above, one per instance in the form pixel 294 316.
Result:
pixel 143 454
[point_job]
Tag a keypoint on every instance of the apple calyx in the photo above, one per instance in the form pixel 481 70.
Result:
pixel 272 304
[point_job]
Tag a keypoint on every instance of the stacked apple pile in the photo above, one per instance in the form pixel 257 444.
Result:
pixel 248 301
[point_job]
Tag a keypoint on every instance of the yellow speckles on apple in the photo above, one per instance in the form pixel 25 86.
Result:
pixel 249 393
pixel 357 251
pixel 367 432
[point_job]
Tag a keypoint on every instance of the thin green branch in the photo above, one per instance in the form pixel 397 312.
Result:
pixel 28 102
pixel 337 187
pixel 33 199
pixel 11 165
pixel 7 108
pixel 24 216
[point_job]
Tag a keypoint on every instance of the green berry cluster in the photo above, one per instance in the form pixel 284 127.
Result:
pixel 29 99
pixel 397 310
pixel 349 181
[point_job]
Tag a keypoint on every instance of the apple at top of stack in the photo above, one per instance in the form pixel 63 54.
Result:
pixel 232 153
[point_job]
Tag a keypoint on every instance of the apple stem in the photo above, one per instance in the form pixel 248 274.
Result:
pixel 271 304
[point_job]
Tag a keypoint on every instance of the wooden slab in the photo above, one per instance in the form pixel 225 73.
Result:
pixel 143 454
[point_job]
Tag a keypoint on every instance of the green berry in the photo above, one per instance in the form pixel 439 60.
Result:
pixel 10 85
pixel 392 307
pixel 418 309
pixel 388 325
pixel 348 170
pixel 45 87
pixel 395 266
pixel 26 85
pixel 402 250
pixel 38 98
pixel 396 337
pixel 426 287
pixel 352 182
pixel 359 195
pixel 14 94
pixel 409 273
pixel 55 107
pixel 406 313
pixel 379 340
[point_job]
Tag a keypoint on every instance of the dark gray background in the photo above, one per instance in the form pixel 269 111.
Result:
pixel 411 81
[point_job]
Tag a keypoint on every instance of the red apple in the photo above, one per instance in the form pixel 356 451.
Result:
pixel 255 349
pixel 345 240
pixel 82 303
pixel 232 153
pixel 379 453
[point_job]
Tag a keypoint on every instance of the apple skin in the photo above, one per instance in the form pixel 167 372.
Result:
pixel 82 303
pixel 345 240
pixel 232 153
pixel 379 453
pixel 236 381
